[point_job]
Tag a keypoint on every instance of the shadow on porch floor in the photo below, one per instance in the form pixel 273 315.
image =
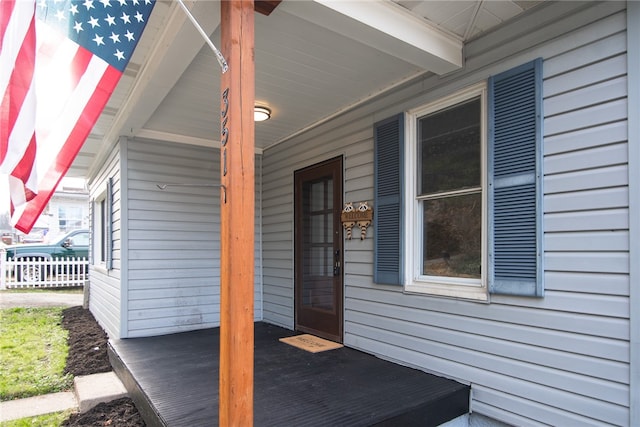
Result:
pixel 173 379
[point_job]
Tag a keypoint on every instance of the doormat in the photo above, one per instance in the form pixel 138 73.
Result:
pixel 311 343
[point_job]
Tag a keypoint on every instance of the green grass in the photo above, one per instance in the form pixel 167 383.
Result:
pixel 33 345
pixel 49 420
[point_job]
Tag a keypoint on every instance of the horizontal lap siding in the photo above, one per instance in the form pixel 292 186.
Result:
pixel 558 360
pixel 105 300
pixel 277 238
pixel 174 238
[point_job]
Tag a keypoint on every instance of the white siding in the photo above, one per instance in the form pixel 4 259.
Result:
pixel 166 250
pixel 173 238
pixel 558 360
pixel 105 285
pixel 633 102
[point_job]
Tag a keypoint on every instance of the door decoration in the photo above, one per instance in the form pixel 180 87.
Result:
pixel 362 217
pixel 347 222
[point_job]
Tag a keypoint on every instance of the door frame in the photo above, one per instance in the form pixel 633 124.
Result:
pixel 335 165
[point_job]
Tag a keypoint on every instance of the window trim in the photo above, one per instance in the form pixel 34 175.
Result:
pixel 97 227
pixel 101 228
pixel 415 281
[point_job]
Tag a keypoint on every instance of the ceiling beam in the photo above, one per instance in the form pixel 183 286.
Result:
pixel 182 139
pixel 385 26
pixel 265 7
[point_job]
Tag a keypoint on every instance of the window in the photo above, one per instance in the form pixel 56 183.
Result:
pixel 446 216
pixel 102 212
pixel 458 191
pixel 102 227
pixel 70 217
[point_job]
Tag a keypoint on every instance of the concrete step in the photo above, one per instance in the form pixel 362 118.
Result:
pixel 89 390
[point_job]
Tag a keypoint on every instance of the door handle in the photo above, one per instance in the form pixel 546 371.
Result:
pixel 336 263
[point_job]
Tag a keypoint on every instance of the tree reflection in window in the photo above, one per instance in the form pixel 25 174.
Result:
pixel 450 190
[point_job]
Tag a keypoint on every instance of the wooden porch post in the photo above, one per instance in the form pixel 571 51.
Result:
pixel 237 214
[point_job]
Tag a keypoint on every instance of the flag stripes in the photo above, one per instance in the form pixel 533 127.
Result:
pixel 60 61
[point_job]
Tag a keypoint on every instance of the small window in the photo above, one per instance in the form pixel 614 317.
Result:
pixel 70 217
pixel 448 216
pixel 102 228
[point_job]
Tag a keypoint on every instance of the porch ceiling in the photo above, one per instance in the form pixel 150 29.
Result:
pixel 314 60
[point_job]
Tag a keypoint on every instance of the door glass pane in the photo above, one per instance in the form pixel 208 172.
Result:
pixel 317 228
pixel 317 264
pixel 452 236
pixel 330 260
pixel 329 228
pixel 318 283
pixel 317 196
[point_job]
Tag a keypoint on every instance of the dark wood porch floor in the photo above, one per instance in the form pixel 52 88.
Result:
pixel 173 380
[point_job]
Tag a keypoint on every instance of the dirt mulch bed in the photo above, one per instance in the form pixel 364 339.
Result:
pixel 88 355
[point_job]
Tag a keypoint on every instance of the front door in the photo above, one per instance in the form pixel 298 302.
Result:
pixel 318 249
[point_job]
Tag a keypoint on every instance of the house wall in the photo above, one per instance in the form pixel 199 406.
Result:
pixel 105 300
pixel 633 100
pixel 558 360
pixel 173 238
pixel 166 248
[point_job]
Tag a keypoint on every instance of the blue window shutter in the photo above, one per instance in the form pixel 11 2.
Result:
pixel 109 225
pixel 388 200
pixel 92 214
pixel 515 181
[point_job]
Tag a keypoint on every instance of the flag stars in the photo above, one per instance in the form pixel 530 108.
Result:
pixel 99 40
pixel 125 18
pixel 108 28
pixel 93 22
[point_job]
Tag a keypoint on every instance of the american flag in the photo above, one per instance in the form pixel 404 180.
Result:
pixel 60 60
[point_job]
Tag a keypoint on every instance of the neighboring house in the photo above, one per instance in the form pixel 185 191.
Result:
pixel 68 208
pixel 504 246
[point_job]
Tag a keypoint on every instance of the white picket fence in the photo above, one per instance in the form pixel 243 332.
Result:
pixel 42 273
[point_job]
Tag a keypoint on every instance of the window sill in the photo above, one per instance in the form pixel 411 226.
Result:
pixel 472 293
pixel 100 268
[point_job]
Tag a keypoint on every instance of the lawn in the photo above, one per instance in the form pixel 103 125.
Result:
pixel 34 349
pixel 48 420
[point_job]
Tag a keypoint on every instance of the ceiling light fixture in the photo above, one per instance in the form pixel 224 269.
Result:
pixel 260 114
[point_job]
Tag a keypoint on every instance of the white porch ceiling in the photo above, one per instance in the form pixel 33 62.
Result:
pixel 314 59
